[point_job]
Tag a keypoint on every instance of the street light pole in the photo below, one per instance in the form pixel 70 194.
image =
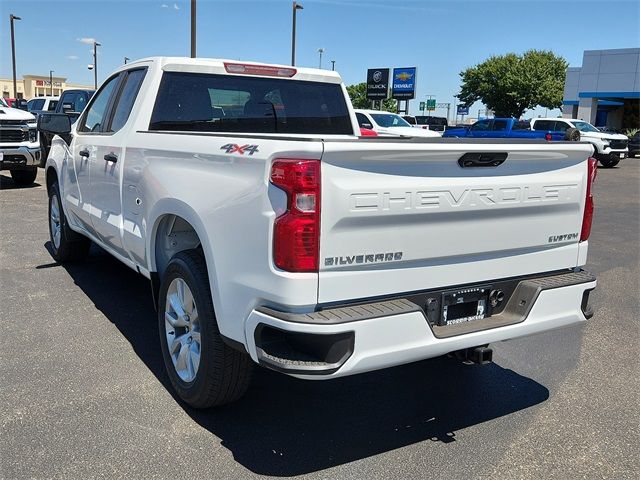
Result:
pixel 51 81
pixel 333 65
pixel 126 59
pixel 193 28
pixel 95 63
pixel 12 17
pixel 296 7
pixel 320 51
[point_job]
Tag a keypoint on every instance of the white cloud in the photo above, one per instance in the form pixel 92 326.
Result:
pixel 176 7
pixel 72 57
pixel 164 5
pixel 88 41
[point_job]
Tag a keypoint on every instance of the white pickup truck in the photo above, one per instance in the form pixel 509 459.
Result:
pixel 273 234
pixel 19 144
pixel 609 148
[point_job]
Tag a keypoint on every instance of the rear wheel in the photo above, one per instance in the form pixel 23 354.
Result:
pixel 204 371
pixel 24 177
pixel 66 245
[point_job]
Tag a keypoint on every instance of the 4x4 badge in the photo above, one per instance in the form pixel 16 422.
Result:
pixel 240 149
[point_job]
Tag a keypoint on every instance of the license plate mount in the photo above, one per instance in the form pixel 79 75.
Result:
pixel 464 305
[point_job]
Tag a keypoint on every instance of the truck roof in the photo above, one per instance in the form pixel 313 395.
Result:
pixel 233 67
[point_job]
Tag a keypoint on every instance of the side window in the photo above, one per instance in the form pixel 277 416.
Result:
pixel 362 120
pixel 52 105
pixel 499 125
pixel 543 125
pixel 68 102
pixel 93 120
pixel 561 126
pixel 481 126
pixel 127 98
pixel 80 103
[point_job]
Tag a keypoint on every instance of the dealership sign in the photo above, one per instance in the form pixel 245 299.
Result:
pixel 404 83
pixel 462 110
pixel 377 83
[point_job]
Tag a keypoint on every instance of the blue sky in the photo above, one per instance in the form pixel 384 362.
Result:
pixel 440 37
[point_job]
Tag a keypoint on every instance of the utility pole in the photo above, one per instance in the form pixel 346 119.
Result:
pixel 12 17
pixel 333 65
pixel 296 7
pixel 320 51
pixel 193 28
pixel 51 81
pixel 95 63
pixel 126 59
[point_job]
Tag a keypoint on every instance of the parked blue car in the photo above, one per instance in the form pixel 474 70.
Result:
pixel 502 128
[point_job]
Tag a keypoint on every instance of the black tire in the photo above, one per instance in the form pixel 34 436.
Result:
pixel 71 245
pixel 608 161
pixel 572 135
pixel 24 177
pixel 223 373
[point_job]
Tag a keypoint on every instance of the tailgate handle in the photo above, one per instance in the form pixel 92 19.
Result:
pixel 482 159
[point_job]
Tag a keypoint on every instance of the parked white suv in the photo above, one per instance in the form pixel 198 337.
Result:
pixel 391 124
pixel 19 144
pixel 609 148
pixel 273 234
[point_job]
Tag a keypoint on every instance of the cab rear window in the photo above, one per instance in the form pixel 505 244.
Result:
pixel 231 103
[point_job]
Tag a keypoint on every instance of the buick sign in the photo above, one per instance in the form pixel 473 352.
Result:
pixel 377 83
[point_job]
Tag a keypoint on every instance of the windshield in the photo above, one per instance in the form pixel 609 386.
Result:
pixel 3 103
pixel 585 127
pixel 388 120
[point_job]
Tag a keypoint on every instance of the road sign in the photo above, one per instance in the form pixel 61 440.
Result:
pixel 462 110
pixel 431 104
pixel 377 83
pixel 422 106
pixel 404 83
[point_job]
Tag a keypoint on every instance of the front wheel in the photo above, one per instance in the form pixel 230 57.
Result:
pixel 204 371
pixel 24 177
pixel 66 245
pixel 608 161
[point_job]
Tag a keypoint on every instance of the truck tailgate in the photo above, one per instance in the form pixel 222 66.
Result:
pixel 400 217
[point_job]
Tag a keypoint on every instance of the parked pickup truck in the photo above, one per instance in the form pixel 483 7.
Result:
pixel 272 233
pixel 19 147
pixel 72 103
pixel 609 148
pixel 503 128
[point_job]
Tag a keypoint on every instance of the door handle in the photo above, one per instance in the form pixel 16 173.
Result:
pixel 84 153
pixel 111 157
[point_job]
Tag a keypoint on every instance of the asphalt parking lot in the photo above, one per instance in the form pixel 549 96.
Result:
pixel 84 393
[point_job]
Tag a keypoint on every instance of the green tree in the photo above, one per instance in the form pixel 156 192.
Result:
pixel 510 84
pixel 358 95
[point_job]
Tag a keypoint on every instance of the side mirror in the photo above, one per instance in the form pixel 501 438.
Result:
pixel 54 123
pixel 67 107
pixel 367 125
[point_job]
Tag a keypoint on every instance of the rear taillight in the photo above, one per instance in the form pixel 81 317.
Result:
pixel 548 137
pixel 592 170
pixel 296 237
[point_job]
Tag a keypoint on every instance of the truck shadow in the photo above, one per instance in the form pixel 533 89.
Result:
pixel 285 427
pixel 7 183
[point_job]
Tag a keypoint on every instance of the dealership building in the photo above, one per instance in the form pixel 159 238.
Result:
pixel 31 86
pixel 605 90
